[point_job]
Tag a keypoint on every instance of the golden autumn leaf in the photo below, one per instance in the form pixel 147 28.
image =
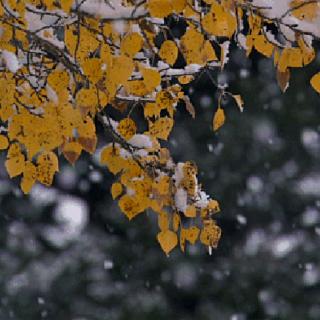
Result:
pixel 163 221
pixel 218 119
pixel 263 45
pixel 161 128
pixel 116 190
pixel 15 162
pixel 189 106
pixel 210 235
pixel 315 82
pixel 4 143
pixel 168 240
pixel 87 135
pixel 131 44
pixel 131 206
pixel 192 234
pixel 169 52
pixel 151 77
pixel 219 22
pixel 176 222
pixel 47 166
pixel 110 156
pixel 185 79
pixel 179 5
pixel 238 99
pixel 160 8
pixel 283 79
pixel 72 151
pixel 127 128
pixel 191 211
pixel 29 177
pixel 303 10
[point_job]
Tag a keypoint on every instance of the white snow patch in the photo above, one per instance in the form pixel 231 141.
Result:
pixel 11 61
pixel 180 199
pixel 178 174
pixel 141 141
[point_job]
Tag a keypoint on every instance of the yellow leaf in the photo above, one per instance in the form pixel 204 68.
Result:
pixel 29 177
pixel 87 100
pixel 219 22
pixel 161 128
pixel 168 240
pixel 283 79
pixel 152 78
pixel 58 80
pixel 130 206
pixel 116 190
pixel 192 234
pixel 315 82
pixel 303 10
pixel 191 212
pixel 238 100
pixel 47 166
pixel 185 79
pixel 71 151
pixel 66 5
pixel 160 8
pixel 93 69
pixel 169 52
pixel 136 87
pixel 208 52
pixel 15 162
pixel 218 119
pixel 213 206
pixel 7 96
pixel 175 222
pixel 110 156
pixel 127 128
pixel 262 45
pixel 163 185
pixel 4 143
pixel 87 135
pixel 210 235
pixel 192 46
pixel 178 5
pixel 164 100
pixel 290 57
pixel 151 110
pixel 131 44
pixel 307 52
pixel 118 73
pixel 163 221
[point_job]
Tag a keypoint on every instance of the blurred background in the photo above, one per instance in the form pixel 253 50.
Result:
pixel 68 253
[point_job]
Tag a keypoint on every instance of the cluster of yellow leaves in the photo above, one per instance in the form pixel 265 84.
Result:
pixel 63 75
pixel 295 55
pixel 139 190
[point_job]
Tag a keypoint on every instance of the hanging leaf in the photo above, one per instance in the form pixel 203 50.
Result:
pixel 315 82
pixel 239 101
pixel 218 119
pixel 116 190
pixel 283 79
pixel 127 128
pixel 168 240
pixel 189 106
